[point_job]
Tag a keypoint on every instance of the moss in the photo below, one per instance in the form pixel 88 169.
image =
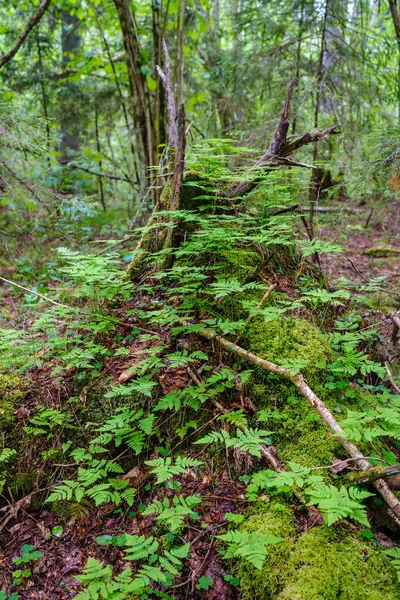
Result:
pixel 10 393
pixel 325 566
pixel 320 564
pixel 240 264
pixel 290 339
pixel 299 433
pixel 274 519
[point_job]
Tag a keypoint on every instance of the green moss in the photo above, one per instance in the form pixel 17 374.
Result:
pixel 324 566
pixel 320 564
pixel 290 339
pixel 10 393
pixel 299 433
pixel 240 264
pixel 274 519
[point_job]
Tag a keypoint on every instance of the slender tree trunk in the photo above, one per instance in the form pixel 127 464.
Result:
pixel 139 91
pixel 44 94
pixel 69 112
pixel 135 159
pixel 316 176
pixel 395 12
pixel 298 60
pixel 180 62
pixel 98 146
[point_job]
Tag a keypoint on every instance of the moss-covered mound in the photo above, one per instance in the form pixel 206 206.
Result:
pixel 286 339
pixel 299 433
pixel 319 564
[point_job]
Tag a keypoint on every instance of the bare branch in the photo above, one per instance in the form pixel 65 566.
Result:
pixel 298 380
pixel 35 19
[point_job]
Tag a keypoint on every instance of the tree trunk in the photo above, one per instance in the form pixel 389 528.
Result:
pixel 395 12
pixel 139 90
pixel 69 111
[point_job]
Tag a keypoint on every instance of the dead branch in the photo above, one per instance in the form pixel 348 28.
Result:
pixel 34 20
pixel 299 381
pixel 280 149
pixel 166 77
pixel 176 196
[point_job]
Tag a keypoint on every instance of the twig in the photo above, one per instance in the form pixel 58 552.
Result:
pixel 34 20
pixel 390 375
pixel 35 293
pixel 299 381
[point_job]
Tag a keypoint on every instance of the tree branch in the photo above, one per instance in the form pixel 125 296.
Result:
pixel 280 148
pixel 35 19
pixel 298 380
pixel 166 77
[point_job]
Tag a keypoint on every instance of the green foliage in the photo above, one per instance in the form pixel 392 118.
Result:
pixel 251 546
pixel 28 555
pixel 334 503
pixel 47 421
pixel 394 555
pixel 247 440
pixel 99 582
pixel 172 513
pixel 164 469
pixel 94 482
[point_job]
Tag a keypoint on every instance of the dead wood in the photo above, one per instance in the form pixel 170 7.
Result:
pixel 280 149
pixel 166 78
pixel 299 381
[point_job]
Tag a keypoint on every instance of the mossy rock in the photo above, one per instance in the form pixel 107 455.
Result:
pixel 320 564
pixel 10 392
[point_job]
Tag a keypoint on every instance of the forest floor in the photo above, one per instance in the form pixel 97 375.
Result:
pixel 64 556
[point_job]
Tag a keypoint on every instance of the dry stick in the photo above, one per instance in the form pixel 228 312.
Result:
pixel 298 380
pixel 34 293
pixel 35 19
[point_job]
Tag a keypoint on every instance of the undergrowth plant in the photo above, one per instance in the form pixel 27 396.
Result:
pixel 159 394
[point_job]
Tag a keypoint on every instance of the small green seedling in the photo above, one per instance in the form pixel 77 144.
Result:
pixel 28 554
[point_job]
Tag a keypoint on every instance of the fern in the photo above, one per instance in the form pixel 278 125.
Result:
pixel 248 440
pixel 172 513
pixel 94 482
pixel 336 504
pixel 235 417
pixel 394 555
pixel 251 546
pixel 283 481
pixel 164 469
